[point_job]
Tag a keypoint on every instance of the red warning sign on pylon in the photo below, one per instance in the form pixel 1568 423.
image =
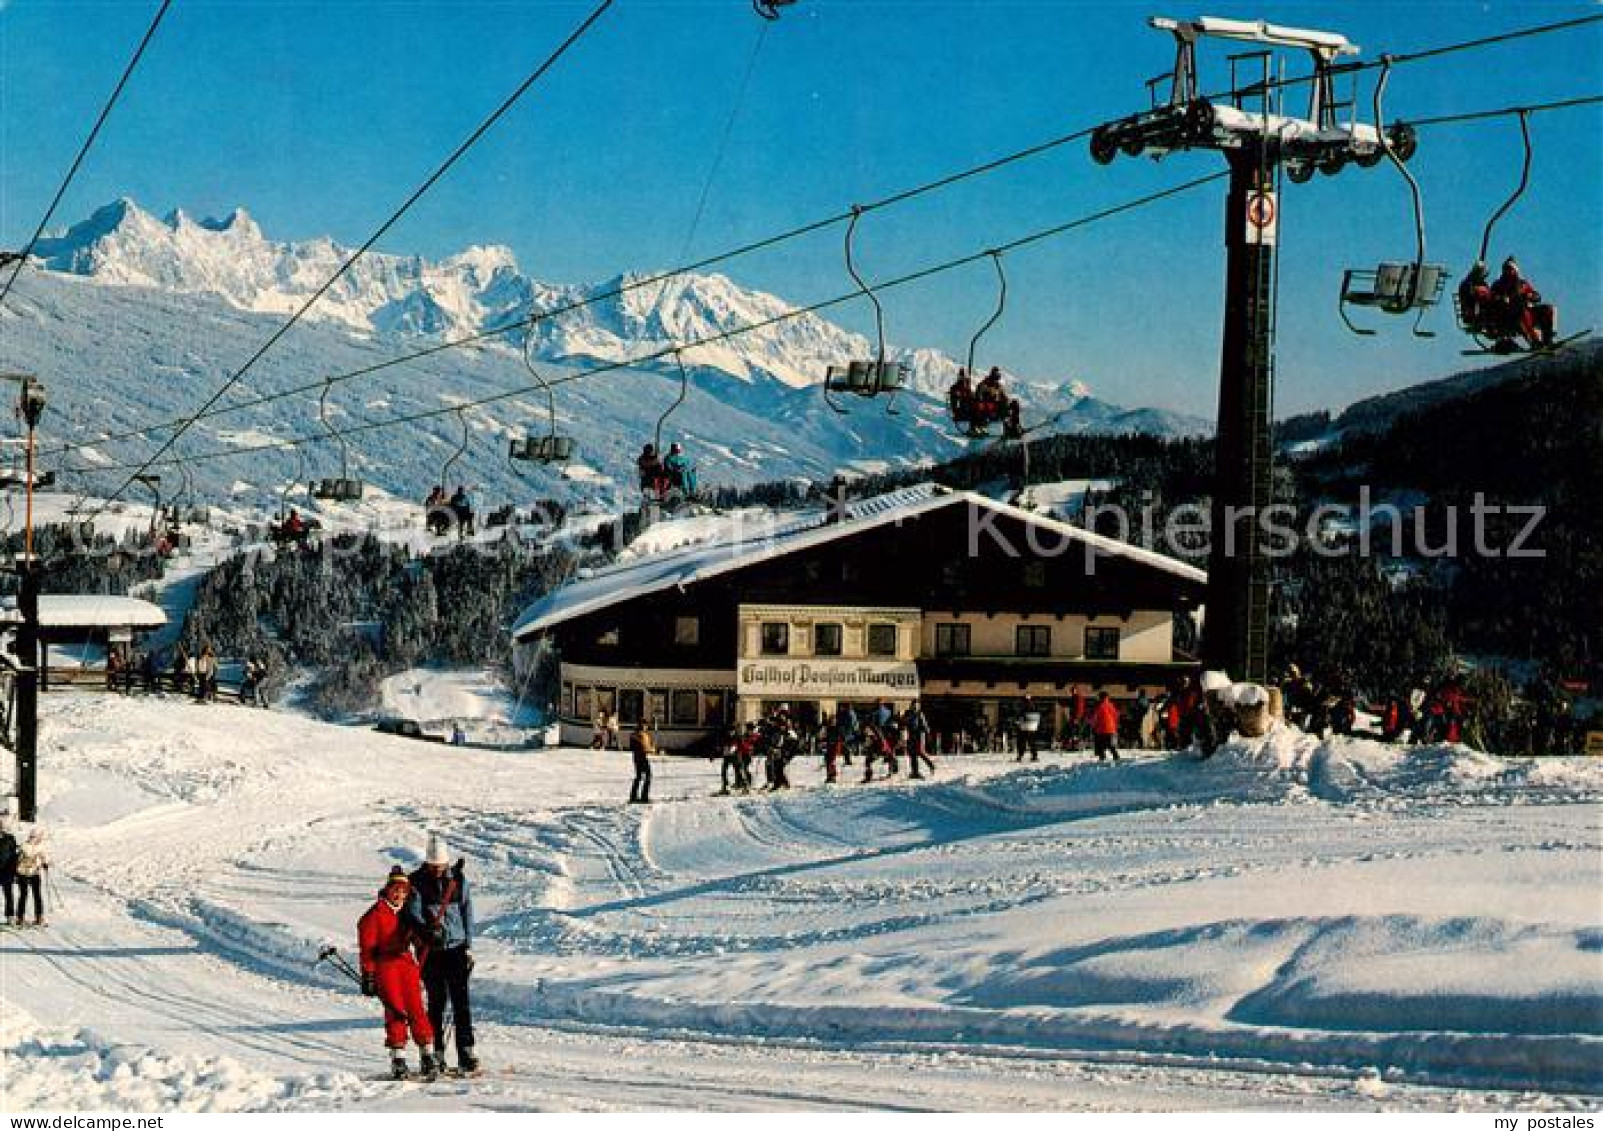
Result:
pixel 1263 217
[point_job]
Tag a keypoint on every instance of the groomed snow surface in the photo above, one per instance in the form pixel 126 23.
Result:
pixel 1289 925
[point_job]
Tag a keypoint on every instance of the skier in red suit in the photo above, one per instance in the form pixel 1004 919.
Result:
pixel 390 972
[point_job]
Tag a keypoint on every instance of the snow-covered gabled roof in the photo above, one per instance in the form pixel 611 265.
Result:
pixel 66 610
pixel 678 569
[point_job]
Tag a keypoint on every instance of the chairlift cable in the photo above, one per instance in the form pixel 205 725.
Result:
pixel 1505 112
pixel 919 275
pixel 608 294
pixel 1400 58
pixel 94 133
pixel 395 216
pixel 936 185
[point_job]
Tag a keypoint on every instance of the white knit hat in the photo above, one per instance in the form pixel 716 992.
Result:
pixel 1251 695
pixel 437 853
pixel 1215 681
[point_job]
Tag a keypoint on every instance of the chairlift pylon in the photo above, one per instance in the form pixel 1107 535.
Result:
pixel 344 489
pixel 867 378
pixel 1395 288
pixel 1185 119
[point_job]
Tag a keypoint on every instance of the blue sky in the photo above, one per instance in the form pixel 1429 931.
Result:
pixel 319 118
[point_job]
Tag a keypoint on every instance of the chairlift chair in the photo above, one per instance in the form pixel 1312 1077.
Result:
pixel 152 483
pixel 682 493
pixel 185 508
pixel 1395 288
pixel 865 378
pixel 769 9
pixel 1494 337
pixel 553 447
pixel 344 488
pixel 543 449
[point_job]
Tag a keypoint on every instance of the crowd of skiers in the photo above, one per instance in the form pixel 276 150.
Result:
pixel 415 948
pixel 1543 721
pixel 881 737
pixel 24 868
pixel 183 673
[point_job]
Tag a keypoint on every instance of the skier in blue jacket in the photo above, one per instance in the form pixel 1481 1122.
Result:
pixel 440 909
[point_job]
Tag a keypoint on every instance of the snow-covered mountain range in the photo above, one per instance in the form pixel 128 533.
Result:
pixel 764 382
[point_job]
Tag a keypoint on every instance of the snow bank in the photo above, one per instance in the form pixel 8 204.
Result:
pixel 60 1069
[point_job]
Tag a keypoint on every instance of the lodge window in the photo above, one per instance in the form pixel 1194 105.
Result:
pixel 714 708
pixel 882 640
pixel 608 639
pixel 583 703
pixel 953 640
pixel 604 699
pixel 1101 643
pixel 687 631
pixel 826 639
pixel 567 699
pixel 656 707
pixel 684 708
pixel 776 639
pixel 1035 575
pixel 1033 640
pixel 631 705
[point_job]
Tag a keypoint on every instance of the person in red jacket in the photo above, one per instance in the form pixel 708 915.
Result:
pixel 1536 321
pixel 390 972
pixel 1105 727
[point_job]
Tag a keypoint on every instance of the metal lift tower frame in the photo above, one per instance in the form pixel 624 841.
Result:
pixel 1258 145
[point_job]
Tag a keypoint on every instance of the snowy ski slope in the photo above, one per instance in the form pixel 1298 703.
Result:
pixel 1291 925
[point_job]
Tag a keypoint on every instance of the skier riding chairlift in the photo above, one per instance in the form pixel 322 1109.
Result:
pixel 681 473
pixel 653 476
pixel 978 407
pixel 1506 309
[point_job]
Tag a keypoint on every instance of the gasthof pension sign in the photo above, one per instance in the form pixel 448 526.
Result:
pixel 828 679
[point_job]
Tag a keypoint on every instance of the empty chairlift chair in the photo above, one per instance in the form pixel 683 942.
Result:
pixel 345 488
pixel 865 378
pixel 553 447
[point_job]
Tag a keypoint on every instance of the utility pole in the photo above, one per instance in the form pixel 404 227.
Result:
pixel 30 406
pixel 1259 143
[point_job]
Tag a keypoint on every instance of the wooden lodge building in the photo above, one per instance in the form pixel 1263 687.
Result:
pixel 942 596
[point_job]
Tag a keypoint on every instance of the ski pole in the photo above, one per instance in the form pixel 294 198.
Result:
pixel 350 971
pixel 332 955
pixel 336 960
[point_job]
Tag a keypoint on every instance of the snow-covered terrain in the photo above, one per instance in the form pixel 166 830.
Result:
pixel 1292 924
pixel 192 299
